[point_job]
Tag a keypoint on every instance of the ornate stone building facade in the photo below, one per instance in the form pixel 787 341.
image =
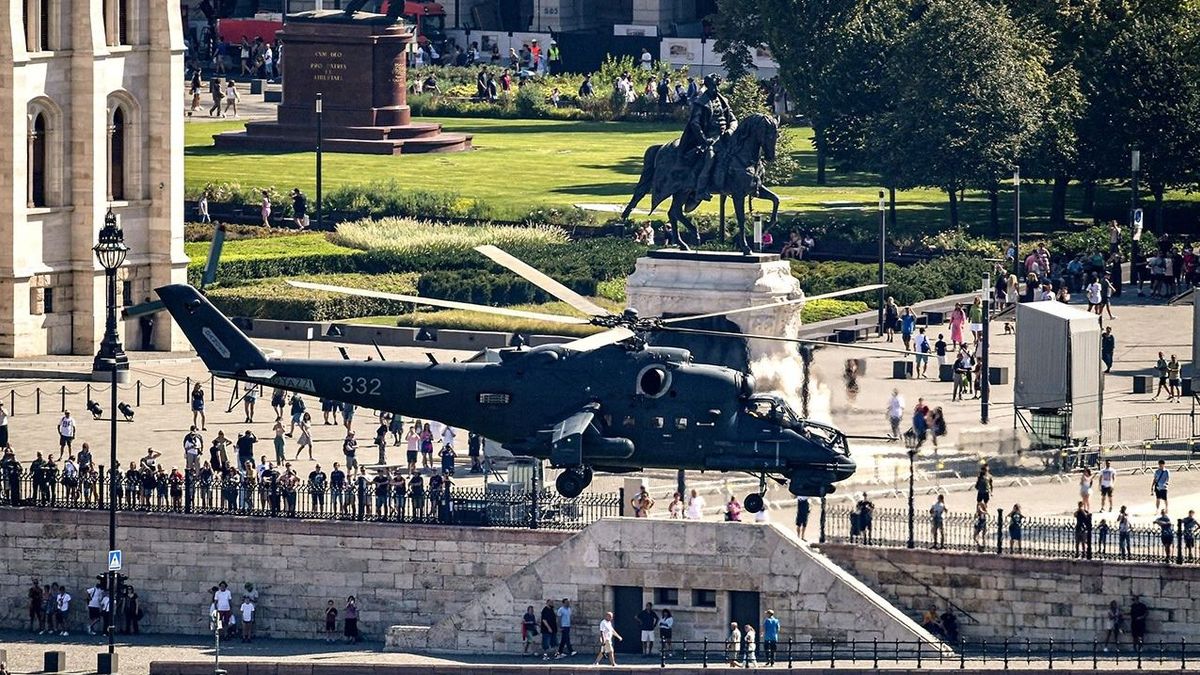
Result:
pixel 91 117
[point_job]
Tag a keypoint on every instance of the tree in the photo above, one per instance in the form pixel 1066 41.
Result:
pixel 968 95
pixel 1146 94
pixel 746 97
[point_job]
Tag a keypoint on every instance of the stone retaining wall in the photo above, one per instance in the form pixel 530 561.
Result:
pixel 1036 598
pixel 401 573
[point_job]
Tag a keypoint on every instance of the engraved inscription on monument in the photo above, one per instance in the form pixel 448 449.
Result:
pixel 327 66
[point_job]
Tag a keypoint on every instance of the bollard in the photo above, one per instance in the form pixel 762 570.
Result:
pixel 962 653
pixel 662 654
pixel 187 390
pixel 37 401
pixel 1006 653
pixel 704 654
pixel 63 398
pixel 1028 657
pixel 832 657
pixel 1139 655
pixel 875 653
pixel 137 400
pixel 789 653
pixel 919 654
pixel 1182 653
pixel 1095 648
pixel 162 383
pixel 212 387
pixel 12 401
pixel 88 387
pixel 1050 656
pixel 54 661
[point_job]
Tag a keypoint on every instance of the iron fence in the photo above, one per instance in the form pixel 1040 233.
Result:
pixel 351 500
pixel 1096 537
pixel 140 392
pixel 1003 653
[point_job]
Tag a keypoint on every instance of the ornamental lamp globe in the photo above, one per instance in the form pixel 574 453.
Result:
pixel 110 247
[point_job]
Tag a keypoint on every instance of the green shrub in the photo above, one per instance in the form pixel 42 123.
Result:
pixel 922 281
pixel 485 288
pixel 388 197
pixel 414 237
pixel 830 308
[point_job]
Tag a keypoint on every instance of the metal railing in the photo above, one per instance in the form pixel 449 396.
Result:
pixel 1098 538
pixel 1167 426
pixel 1003 653
pixel 350 500
pixel 137 393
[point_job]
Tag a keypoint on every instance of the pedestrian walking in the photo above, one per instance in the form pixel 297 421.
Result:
pixel 895 412
pixel 1108 345
pixel 749 647
pixel 733 644
pixel 1162 480
pixel 565 648
pixel 529 630
pixel 607 633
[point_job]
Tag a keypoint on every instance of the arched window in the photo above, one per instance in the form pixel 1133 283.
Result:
pixel 116 155
pixel 38 161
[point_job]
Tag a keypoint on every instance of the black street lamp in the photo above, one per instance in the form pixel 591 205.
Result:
pixel 110 251
pixel 912 442
pixel 882 238
pixel 1017 220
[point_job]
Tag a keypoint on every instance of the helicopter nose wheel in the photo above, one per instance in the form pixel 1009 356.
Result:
pixel 754 501
pixel 571 483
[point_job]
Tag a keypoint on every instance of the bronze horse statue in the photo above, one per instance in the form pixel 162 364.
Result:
pixel 669 172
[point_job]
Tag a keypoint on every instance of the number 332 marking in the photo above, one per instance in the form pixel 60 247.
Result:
pixel 361 385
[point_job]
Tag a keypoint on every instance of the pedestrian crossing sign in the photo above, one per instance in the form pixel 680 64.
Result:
pixel 114 561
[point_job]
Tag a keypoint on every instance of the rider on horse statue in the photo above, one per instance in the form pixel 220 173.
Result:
pixel 709 125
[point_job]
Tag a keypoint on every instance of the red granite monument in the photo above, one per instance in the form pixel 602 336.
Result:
pixel 356 60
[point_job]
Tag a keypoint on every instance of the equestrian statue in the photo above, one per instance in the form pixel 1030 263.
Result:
pixel 715 156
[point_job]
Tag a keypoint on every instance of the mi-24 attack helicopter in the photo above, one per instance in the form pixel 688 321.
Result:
pixel 607 402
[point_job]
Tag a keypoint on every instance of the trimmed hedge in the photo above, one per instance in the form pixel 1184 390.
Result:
pixel 922 281
pixel 484 288
pixel 274 299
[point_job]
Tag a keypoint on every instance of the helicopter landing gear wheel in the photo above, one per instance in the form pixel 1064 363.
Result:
pixel 754 502
pixel 570 483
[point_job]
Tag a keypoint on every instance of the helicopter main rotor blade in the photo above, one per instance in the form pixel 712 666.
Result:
pixel 542 281
pixel 592 342
pixel 434 302
pixel 776 338
pixel 781 303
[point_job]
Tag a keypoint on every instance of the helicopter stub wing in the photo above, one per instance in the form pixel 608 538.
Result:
pixel 566 437
pixel 539 279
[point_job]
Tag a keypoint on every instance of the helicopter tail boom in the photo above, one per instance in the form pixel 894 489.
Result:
pixel 224 349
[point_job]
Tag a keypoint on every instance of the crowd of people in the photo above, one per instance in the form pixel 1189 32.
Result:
pixel 50 605
pixel 234 477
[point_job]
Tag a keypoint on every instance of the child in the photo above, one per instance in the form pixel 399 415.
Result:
pixel 330 622
pixel 1102 531
pixel 247 619
pixel 448 457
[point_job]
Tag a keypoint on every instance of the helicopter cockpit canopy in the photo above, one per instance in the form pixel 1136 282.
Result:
pixel 773 409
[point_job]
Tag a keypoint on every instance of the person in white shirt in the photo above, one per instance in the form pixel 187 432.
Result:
pixel 95 596
pixel 695 507
pixel 62 606
pixel 223 603
pixel 607 633
pixel 448 436
pixel 1108 477
pixel 565 648
pixel 895 412
pixel 247 610
pixel 1093 295
pixel 66 433
pixel 647 60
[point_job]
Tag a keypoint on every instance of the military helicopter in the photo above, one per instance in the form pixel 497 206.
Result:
pixel 606 402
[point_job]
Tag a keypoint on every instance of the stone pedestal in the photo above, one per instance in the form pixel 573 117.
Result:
pixel 672 283
pixel 358 63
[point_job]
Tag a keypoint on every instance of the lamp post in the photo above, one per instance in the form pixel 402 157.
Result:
pixel 110 250
pixel 882 238
pixel 1135 165
pixel 320 135
pixel 985 385
pixel 911 442
pixel 1017 221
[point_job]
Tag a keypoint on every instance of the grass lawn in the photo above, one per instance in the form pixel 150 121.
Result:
pixel 522 164
pixel 310 243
